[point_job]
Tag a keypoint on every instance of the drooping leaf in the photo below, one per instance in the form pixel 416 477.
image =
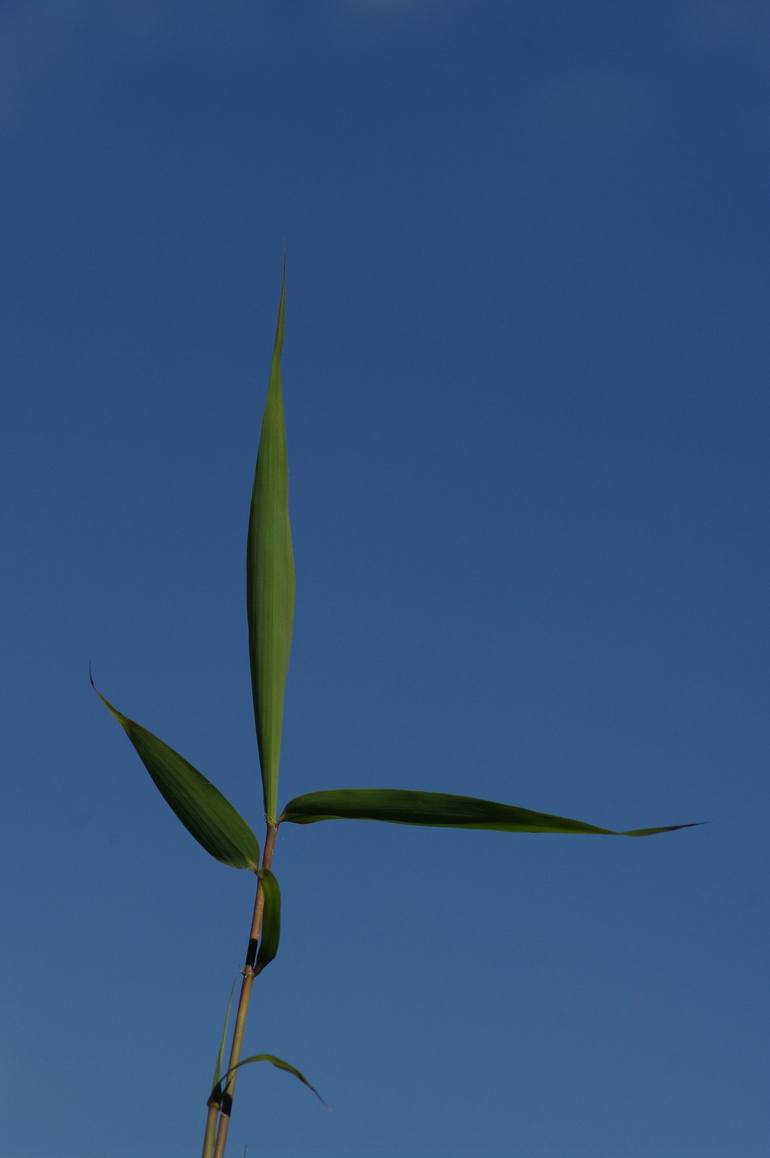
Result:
pixel 216 1093
pixel 200 806
pixel 270 578
pixel 440 810
pixel 271 920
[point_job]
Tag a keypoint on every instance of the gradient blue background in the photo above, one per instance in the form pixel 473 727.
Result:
pixel 526 380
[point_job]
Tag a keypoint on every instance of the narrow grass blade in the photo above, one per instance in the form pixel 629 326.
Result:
pixel 223 1041
pixel 441 810
pixel 201 807
pixel 210 1135
pixel 271 920
pixel 275 1061
pixel 270 578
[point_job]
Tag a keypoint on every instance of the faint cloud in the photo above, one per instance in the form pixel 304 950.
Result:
pixel 590 104
pixel 373 12
pixel 51 50
pixel 721 23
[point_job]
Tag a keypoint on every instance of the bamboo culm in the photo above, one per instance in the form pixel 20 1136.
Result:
pixel 248 973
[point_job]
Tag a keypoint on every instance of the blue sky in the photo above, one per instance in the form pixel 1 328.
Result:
pixel 526 380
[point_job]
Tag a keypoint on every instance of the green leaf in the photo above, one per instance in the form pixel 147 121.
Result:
pixel 439 809
pixel 271 920
pixel 216 1093
pixel 209 1137
pixel 270 578
pixel 201 807
pixel 223 1040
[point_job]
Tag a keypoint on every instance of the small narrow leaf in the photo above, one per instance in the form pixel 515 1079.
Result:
pixel 201 807
pixel 270 578
pixel 223 1040
pixel 209 1138
pixel 271 920
pixel 441 810
pixel 216 1093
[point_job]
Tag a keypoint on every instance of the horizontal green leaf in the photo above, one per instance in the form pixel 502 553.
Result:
pixel 440 810
pixel 271 920
pixel 216 1093
pixel 270 578
pixel 201 807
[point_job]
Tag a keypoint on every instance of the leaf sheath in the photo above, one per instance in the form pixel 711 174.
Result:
pixel 271 920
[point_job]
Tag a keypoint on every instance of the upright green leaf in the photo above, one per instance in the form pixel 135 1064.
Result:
pixel 223 1041
pixel 271 920
pixel 201 807
pixel 440 810
pixel 270 578
pixel 210 1135
pixel 216 1093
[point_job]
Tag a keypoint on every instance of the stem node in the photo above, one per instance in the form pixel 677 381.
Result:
pixel 248 973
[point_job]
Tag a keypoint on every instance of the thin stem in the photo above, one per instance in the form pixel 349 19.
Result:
pixel 244 999
pixel 209 1137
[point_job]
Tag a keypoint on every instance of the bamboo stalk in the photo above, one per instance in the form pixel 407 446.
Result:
pixel 209 1138
pixel 241 1015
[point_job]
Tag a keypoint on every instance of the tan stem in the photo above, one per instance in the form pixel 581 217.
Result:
pixel 209 1137
pixel 244 999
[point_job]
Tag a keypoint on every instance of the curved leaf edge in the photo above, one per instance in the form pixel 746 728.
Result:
pixel 270 575
pixel 248 857
pixel 217 1092
pixel 271 920
pixel 444 810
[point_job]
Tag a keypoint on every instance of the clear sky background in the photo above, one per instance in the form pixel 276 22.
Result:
pixel 526 380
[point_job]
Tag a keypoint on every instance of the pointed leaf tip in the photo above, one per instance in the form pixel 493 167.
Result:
pixel 441 810
pixel 270 580
pixel 278 1062
pixel 223 1040
pixel 203 810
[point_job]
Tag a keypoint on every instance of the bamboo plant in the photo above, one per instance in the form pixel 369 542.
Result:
pixel 219 828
